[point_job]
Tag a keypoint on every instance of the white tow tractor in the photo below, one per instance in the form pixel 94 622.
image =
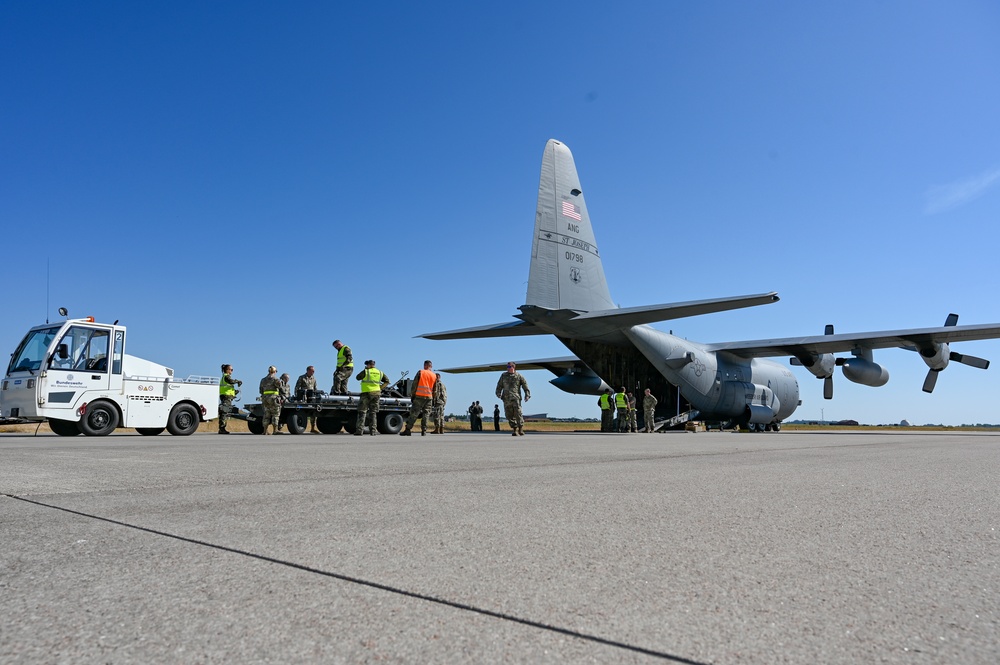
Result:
pixel 77 376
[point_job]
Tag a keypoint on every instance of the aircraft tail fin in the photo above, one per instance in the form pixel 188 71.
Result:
pixel 566 270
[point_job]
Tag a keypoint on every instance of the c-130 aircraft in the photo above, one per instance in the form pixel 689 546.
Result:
pixel 729 382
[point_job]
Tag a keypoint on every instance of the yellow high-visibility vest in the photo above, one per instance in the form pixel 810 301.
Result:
pixel 372 381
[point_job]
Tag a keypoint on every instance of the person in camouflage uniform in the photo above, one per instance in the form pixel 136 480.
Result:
pixel 509 390
pixel 421 398
pixel 632 426
pixel 270 391
pixel 284 394
pixel 345 367
pixel 305 385
pixel 227 393
pixel 440 399
pixel 607 404
pixel 649 410
pixel 373 381
pixel 621 405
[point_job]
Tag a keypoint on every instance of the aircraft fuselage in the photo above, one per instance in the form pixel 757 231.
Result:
pixel 720 385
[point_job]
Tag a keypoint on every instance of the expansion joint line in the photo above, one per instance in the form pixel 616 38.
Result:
pixel 376 585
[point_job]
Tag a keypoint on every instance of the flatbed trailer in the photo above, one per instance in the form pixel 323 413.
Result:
pixel 335 413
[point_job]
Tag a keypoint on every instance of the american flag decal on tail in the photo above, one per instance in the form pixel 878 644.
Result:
pixel 570 210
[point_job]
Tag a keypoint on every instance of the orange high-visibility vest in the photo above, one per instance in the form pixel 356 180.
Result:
pixel 425 383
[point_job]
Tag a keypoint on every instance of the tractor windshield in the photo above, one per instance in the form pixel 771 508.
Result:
pixel 31 353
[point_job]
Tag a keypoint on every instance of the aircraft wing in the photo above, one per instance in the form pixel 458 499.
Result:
pixel 572 374
pixel 634 316
pixel 602 321
pixel 509 329
pixel 552 364
pixel 912 339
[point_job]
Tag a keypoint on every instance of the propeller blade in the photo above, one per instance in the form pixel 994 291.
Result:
pixel 828 388
pixel 971 361
pixel 952 320
pixel 930 381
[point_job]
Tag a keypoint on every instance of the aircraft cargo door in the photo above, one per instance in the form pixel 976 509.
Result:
pixel 78 364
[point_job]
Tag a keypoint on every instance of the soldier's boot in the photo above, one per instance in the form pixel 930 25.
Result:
pixel 513 430
pixel 406 431
pixel 373 430
pixel 423 431
pixel 267 427
pixel 520 430
pixel 223 430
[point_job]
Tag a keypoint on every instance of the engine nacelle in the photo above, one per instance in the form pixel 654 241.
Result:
pixel 940 354
pixel 865 372
pixel 580 384
pixel 823 367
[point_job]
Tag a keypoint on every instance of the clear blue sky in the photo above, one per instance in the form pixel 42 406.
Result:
pixel 247 181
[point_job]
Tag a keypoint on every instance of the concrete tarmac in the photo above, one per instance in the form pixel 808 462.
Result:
pixel 549 548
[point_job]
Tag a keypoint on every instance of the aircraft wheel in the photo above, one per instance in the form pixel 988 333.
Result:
pixel 296 423
pixel 329 425
pixel 390 423
pixel 776 427
pixel 64 427
pixel 183 420
pixel 100 419
pixel 149 431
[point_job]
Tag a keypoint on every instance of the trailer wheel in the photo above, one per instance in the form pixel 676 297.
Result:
pixel 149 431
pixel 100 419
pixel 183 420
pixel 351 425
pixel 255 426
pixel 329 425
pixel 390 423
pixel 64 427
pixel 296 423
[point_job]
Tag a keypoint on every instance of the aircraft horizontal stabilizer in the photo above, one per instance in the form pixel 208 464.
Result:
pixel 551 364
pixel 511 329
pixel 635 316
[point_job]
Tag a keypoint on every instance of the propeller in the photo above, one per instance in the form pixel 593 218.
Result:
pixel 938 356
pixel 828 381
pixel 820 366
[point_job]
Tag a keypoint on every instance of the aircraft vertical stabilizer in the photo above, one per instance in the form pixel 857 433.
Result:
pixel 566 270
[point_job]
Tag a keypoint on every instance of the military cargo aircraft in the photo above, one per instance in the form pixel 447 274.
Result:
pixel 728 382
